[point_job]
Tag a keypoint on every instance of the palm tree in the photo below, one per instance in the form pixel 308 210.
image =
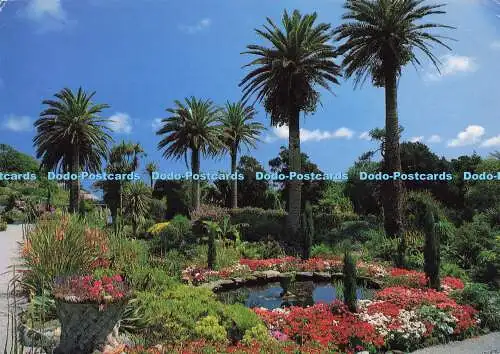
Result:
pixel 150 168
pixel 137 201
pixel 191 126
pixel 239 129
pixel 284 76
pixel 495 155
pixel 71 137
pixel 123 159
pixel 381 37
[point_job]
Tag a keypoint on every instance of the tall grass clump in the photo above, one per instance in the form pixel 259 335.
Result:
pixel 60 247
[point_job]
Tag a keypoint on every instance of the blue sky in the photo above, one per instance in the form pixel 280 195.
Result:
pixel 140 55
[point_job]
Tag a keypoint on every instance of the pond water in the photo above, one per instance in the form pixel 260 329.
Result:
pixel 301 294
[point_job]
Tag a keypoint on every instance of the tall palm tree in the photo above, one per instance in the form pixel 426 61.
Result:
pixel 150 168
pixel 72 137
pixel 381 37
pixel 284 76
pixel 192 126
pixel 137 202
pixel 239 128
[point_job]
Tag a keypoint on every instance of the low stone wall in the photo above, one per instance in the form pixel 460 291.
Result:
pixel 271 276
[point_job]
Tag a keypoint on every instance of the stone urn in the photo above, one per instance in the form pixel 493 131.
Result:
pixel 85 327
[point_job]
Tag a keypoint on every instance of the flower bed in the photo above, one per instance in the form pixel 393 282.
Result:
pixel 245 267
pixel 398 318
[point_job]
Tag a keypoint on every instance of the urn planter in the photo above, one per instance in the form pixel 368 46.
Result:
pixel 86 326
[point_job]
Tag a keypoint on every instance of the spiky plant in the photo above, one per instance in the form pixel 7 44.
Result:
pixel 137 200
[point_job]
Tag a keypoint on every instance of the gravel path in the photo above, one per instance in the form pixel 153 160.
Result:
pixel 488 344
pixel 8 251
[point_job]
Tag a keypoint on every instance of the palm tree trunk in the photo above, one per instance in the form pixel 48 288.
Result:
pixel 151 179
pixel 392 190
pixel 75 184
pixel 195 168
pixel 294 191
pixel 234 189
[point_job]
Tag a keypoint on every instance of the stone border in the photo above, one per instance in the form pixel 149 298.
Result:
pixel 271 276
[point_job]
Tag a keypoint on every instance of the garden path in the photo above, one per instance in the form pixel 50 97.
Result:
pixel 8 250
pixel 488 344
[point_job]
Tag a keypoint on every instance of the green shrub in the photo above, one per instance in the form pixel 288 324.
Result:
pixel 261 249
pixel 353 231
pixel 128 253
pixel 238 319
pixel 468 247
pixel 177 234
pixel 262 224
pixel 415 259
pixel 226 255
pixel 209 328
pixel 3 225
pixel 146 278
pixel 322 251
pixel 485 301
pixel 13 216
pixel 380 246
pixel 171 315
pixel 454 270
pixel 259 333
pixel 209 212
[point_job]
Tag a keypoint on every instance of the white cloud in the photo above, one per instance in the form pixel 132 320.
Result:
pixel 197 27
pixel 434 139
pixel 491 142
pixel 40 9
pixel 416 139
pixel 18 123
pixel 495 45
pixel 365 136
pixel 120 123
pixel 270 139
pixel 156 124
pixel 471 135
pixel 453 64
pixel 48 14
pixel 314 135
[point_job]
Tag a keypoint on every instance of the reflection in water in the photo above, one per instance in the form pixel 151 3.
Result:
pixel 302 294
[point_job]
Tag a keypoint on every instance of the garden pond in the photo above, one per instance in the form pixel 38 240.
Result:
pixel 303 293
